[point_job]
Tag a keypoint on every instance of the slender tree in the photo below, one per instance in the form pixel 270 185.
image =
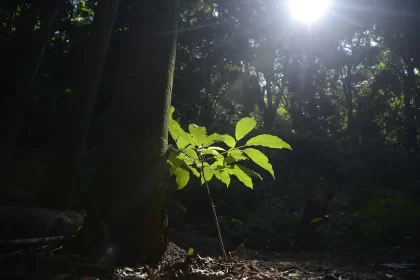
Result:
pixel 66 172
pixel 13 106
pixel 126 203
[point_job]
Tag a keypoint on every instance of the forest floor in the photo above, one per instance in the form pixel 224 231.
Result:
pixel 256 265
pixel 380 264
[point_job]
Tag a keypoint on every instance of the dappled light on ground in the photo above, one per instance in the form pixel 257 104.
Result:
pixel 256 265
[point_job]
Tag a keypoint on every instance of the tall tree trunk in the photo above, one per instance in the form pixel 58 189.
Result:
pixel 410 129
pixel 65 178
pixel 348 92
pixel 14 106
pixel 127 199
pixel 270 111
pixel 417 113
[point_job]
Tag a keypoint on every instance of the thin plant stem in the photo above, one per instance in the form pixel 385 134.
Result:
pixel 222 247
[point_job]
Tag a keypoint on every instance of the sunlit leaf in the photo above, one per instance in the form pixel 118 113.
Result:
pixel 171 167
pixel 207 151
pixel 181 138
pixel 259 158
pixel 249 172
pixel 213 138
pixel 182 177
pixel 267 140
pixel 235 156
pixel 219 161
pixel 229 140
pixel 243 127
pixel 198 133
pixel 208 174
pixel 175 159
pixel 171 112
pixel 223 176
pixel 179 158
pixel 190 152
pixel 194 171
pixel 216 148
pixel 241 175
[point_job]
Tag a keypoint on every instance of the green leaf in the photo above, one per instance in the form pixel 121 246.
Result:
pixel 194 171
pixel 175 159
pixel 208 173
pixel 316 220
pixel 267 140
pixel 249 172
pixel 181 138
pixel 171 112
pixel 211 139
pixel 241 175
pixel 198 133
pixel 223 176
pixel 172 168
pixel 178 159
pixel 219 161
pixel 235 155
pixel 229 140
pixel 207 151
pixel 190 252
pixel 216 148
pixel 186 160
pixel 190 152
pixel 243 127
pixel 182 177
pixel 260 159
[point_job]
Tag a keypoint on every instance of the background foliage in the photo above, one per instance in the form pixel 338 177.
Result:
pixel 344 94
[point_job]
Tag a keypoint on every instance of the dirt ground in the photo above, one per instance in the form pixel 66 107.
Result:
pixel 255 265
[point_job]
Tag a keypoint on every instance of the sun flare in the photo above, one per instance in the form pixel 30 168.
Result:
pixel 308 10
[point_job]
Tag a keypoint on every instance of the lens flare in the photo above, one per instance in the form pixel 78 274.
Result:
pixel 308 10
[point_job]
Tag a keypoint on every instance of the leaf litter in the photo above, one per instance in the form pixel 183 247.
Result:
pixel 257 265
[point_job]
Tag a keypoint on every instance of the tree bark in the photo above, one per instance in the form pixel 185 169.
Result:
pixel 65 181
pixel 14 105
pixel 269 113
pixel 348 93
pixel 128 195
pixel 410 129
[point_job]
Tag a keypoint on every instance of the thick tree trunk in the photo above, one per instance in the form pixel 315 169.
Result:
pixel 13 106
pixel 128 195
pixel 65 178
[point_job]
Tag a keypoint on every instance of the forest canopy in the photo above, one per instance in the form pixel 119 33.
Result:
pixel 88 85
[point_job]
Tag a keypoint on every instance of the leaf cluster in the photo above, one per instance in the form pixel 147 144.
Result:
pixel 196 153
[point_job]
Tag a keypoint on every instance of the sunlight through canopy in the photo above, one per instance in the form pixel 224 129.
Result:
pixel 308 10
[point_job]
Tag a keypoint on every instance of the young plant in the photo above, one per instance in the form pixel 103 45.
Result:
pixel 196 153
